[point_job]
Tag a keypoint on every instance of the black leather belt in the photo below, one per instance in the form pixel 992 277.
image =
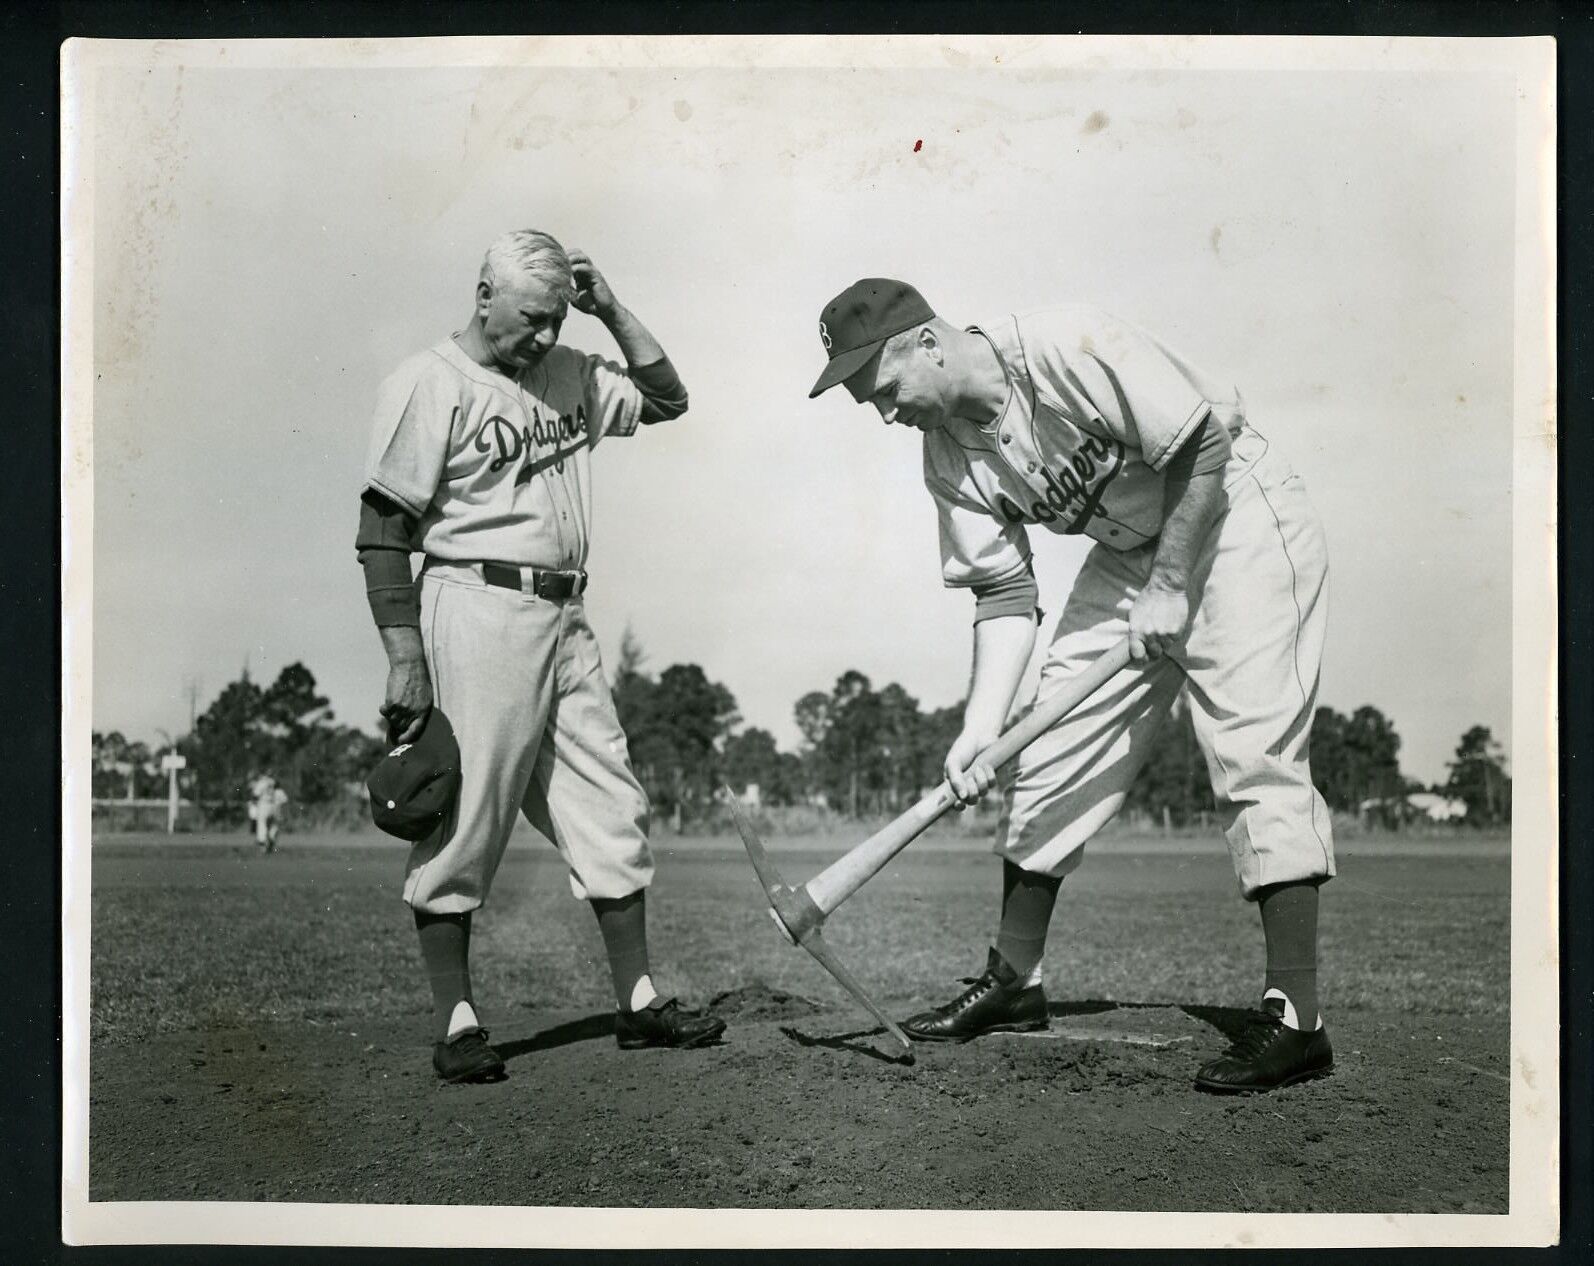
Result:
pixel 545 584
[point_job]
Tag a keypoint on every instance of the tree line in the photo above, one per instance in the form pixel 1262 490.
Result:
pixel 868 751
pixel 864 751
pixel 285 729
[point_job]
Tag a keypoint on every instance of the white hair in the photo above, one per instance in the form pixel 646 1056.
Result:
pixel 529 253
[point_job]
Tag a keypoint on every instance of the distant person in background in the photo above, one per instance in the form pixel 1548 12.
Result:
pixel 265 810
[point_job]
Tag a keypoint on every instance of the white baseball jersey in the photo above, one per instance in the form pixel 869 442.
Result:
pixel 1250 662
pixel 496 469
pixel 1095 411
pixel 1096 408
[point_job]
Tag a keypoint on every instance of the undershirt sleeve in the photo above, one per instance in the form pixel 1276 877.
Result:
pixel 1015 595
pixel 383 545
pixel 663 392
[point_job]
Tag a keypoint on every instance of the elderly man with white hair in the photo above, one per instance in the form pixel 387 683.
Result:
pixel 480 461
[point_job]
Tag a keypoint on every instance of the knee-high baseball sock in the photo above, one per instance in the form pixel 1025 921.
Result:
pixel 1027 901
pixel 623 921
pixel 1289 922
pixel 445 949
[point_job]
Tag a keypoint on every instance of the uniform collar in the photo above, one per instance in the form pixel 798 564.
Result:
pixel 1003 339
pixel 450 350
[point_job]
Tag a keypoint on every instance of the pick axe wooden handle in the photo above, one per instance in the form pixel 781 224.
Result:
pixel 848 873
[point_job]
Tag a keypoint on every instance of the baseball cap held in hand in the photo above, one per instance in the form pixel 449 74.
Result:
pixel 415 784
pixel 863 316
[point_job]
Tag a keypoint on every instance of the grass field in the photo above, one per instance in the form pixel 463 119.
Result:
pixel 259 1031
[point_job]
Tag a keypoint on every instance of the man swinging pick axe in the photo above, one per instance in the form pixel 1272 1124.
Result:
pixel 1208 557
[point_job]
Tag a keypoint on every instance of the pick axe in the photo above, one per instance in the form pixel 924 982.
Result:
pixel 800 912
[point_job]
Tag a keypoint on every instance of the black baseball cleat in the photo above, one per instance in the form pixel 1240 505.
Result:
pixel 468 1057
pixel 665 1022
pixel 1269 1054
pixel 993 1003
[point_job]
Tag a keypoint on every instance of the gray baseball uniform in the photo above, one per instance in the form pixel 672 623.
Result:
pixel 1096 410
pixel 496 473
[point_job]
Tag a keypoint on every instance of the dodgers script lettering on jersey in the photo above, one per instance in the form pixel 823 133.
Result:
pixel 1075 482
pixel 496 469
pixel 564 435
pixel 1095 410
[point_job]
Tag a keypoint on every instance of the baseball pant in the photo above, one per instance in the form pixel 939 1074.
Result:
pixel 1250 660
pixel 521 680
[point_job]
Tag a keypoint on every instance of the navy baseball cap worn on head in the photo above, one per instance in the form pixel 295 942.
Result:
pixel 414 785
pixel 863 316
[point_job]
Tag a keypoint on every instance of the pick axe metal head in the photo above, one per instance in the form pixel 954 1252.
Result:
pixel 799 920
pixel 798 912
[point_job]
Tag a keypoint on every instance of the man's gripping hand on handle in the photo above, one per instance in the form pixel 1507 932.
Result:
pixel 1191 498
pixel 1158 620
pixel 1002 648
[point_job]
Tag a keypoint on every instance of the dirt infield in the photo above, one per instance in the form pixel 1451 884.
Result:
pixel 259 1032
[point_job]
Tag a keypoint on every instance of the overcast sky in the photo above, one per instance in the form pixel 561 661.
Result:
pixel 270 243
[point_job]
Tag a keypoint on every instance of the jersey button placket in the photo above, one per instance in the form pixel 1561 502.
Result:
pixel 556 495
pixel 551 488
pixel 547 483
pixel 1012 460
pixel 568 545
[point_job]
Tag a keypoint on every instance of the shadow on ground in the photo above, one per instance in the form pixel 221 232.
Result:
pixel 849 1042
pixel 1230 1022
pixel 587 1029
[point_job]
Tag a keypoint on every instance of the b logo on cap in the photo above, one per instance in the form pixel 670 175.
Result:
pixel 824 335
